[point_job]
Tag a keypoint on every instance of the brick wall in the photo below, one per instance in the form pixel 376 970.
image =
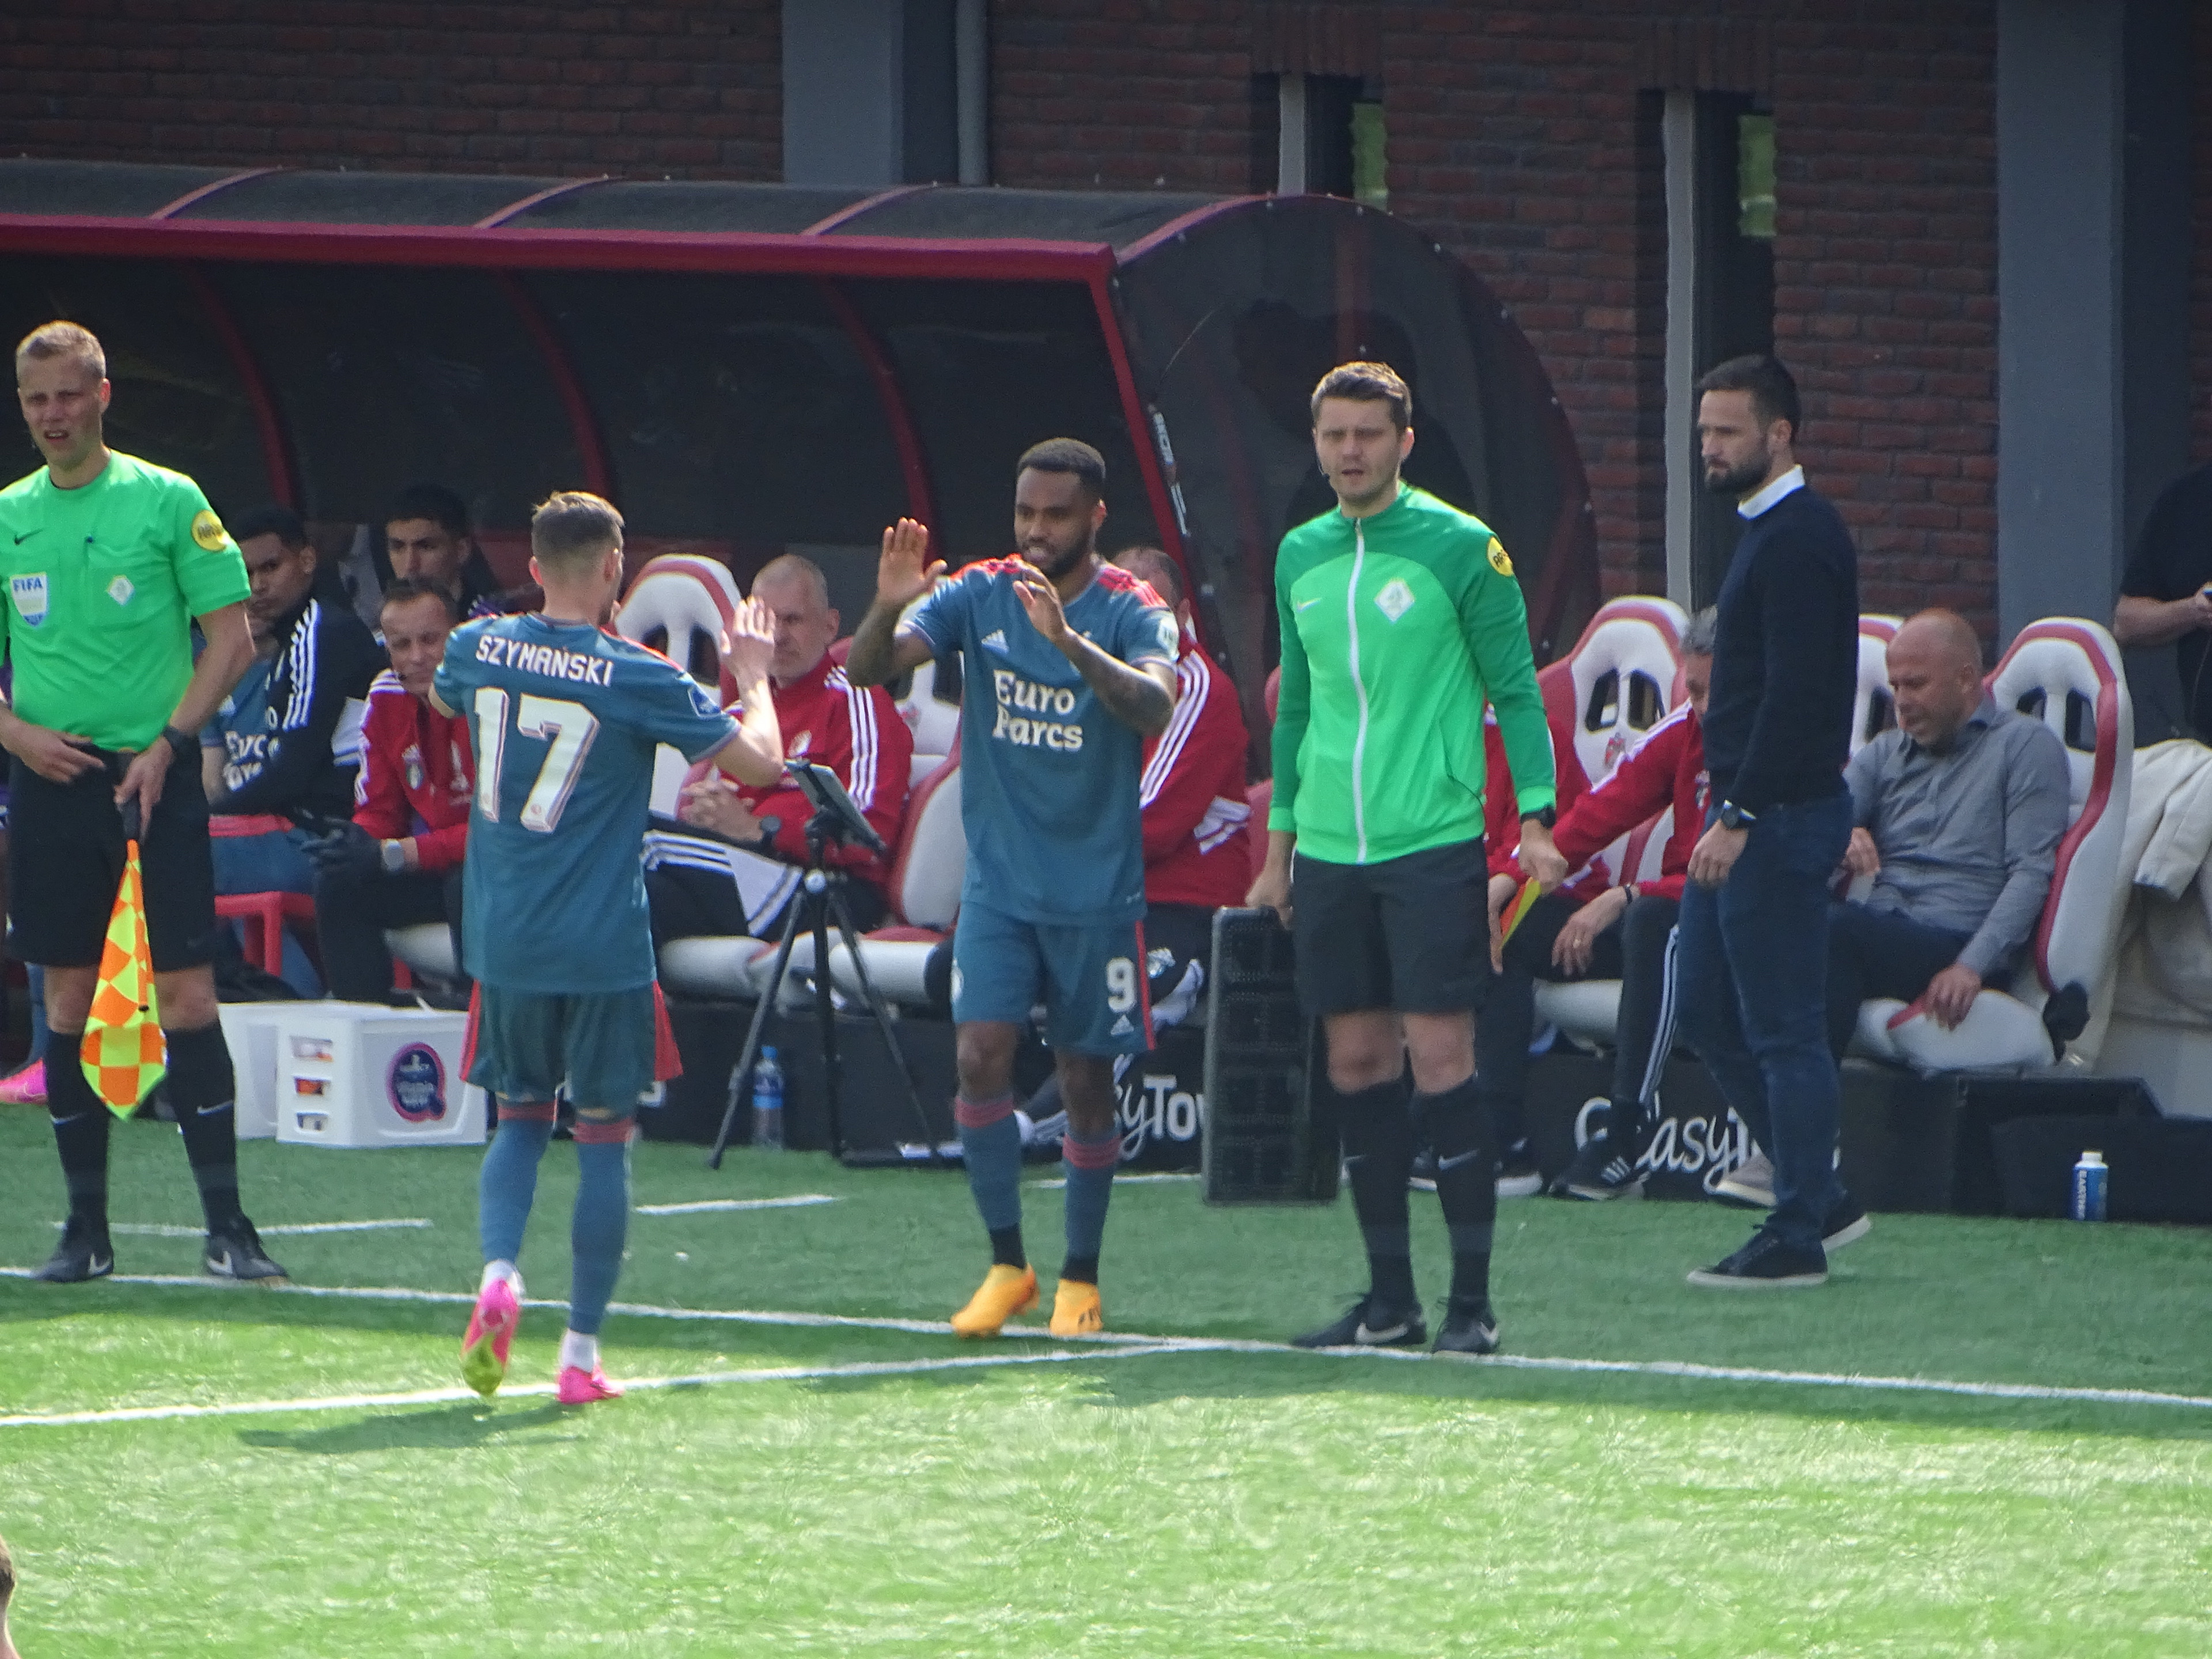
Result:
pixel 687 87
pixel 1526 139
pixel 1122 94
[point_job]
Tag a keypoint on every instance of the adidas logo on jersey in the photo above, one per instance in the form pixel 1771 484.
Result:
pixel 995 640
pixel 1121 1027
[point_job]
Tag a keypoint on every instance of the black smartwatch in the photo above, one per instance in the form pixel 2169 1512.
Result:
pixel 180 744
pixel 1735 817
pixel 1549 818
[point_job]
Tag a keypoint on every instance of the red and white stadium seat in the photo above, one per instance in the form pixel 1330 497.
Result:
pixel 1622 678
pixel 2066 672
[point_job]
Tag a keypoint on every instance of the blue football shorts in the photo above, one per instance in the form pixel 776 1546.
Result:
pixel 1089 975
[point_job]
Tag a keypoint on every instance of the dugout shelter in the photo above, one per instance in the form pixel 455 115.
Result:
pixel 749 369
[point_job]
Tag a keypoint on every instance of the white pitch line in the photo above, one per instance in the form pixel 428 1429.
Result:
pixel 796 1201
pixel 538 1390
pixel 1116 1340
pixel 164 1230
pixel 1149 1177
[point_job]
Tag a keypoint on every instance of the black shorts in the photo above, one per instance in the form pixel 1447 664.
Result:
pixel 1409 934
pixel 65 861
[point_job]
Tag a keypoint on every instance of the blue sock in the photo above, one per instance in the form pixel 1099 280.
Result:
pixel 1089 1165
pixel 601 1223
pixel 508 1179
pixel 991 1145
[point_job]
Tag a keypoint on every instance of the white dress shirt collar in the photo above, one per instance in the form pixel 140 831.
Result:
pixel 1751 505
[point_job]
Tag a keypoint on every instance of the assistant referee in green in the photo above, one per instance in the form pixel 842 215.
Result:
pixel 108 562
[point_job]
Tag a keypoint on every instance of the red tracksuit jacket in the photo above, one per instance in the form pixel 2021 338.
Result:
pixel 857 734
pixel 1502 816
pixel 1668 767
pixel 416 775
pixel 1192 798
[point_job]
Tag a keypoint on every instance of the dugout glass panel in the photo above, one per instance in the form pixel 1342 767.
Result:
pixel 179 399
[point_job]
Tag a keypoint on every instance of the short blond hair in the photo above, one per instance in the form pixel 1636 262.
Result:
pixel 571 527
pixel 60 340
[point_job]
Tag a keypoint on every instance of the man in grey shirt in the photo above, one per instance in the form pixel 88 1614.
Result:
pixel 1959 812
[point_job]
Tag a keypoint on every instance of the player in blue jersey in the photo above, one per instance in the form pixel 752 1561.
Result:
pixel 565 718
pixel 1069 667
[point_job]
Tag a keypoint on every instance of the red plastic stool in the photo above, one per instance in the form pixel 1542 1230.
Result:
pixel 264 946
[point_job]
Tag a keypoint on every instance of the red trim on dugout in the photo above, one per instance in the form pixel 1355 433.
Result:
pixel 566 187
pixel 847 214
pixel 599 477
pixel 913 462
pixel 982 259
pixel 214 188
pixel 1139 421
pixel 276 454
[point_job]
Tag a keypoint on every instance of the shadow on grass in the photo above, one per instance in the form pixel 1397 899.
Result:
pixel 457 1427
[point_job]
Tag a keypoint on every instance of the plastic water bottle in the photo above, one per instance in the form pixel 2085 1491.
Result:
pixel 2088 1203
pixel 768 1102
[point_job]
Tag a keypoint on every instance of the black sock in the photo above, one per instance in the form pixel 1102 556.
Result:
pixel 1006 1247
pixel 204 1093
pixel 1084 1269
pixel 79 1129
pixel 1624 1127
pixel 1466 1185
pixel 1378 1148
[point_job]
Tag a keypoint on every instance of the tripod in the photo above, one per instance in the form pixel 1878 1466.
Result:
pixel 822 893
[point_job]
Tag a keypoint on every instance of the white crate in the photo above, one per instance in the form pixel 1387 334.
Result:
pixel 354 1074
pixel 249 1030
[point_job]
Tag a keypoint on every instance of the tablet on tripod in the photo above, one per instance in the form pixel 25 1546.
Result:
pixel 824 793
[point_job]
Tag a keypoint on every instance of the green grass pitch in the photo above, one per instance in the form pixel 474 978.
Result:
pixel 836 1487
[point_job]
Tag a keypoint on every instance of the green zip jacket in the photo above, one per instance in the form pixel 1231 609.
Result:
pixel 1395 630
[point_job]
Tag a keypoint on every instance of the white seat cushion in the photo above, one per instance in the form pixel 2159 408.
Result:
pixel 1999 1032
pixel 1586 1010
pixel 426 948
pixel 715 966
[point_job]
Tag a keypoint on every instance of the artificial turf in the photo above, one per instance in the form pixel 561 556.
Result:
pixel 1169 1503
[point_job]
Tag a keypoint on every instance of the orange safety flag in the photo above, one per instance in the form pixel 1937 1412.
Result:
pixel 123 1052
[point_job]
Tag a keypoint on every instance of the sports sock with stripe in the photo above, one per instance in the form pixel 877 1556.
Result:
pixel 204 1092
pixel 1378 1150
pixel 80 1121
pixel 1466 1184
pixel 601 1222
pixel 507 1182
pixel 991 1146
pixel 1090 1166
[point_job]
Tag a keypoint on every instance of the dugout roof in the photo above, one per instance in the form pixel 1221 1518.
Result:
pixel 745 368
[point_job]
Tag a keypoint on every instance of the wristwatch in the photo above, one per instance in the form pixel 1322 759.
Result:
pixel 1549 817
pixel 395 857
pixel 180 744
pixel 1735 817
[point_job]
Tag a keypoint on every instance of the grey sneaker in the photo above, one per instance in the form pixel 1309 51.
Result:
pixel 1750 1185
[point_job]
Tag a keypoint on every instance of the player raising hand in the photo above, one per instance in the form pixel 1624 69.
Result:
pixel 566 717
pixel 1069 665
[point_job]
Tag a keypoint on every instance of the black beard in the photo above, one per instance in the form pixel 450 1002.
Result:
pixel 1059 567
pixel 1738 481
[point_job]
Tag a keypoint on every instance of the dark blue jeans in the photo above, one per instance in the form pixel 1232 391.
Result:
pixel 1752 961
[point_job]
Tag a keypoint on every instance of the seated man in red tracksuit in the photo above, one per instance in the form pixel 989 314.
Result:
pixel 398 863
pixel 1198 856
pixel 733 864
pixel 1615 927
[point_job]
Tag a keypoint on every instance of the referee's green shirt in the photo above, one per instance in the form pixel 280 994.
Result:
pixel 103 583
pixel 1395 630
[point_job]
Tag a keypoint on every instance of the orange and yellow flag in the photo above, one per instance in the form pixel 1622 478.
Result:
pixel 123 1052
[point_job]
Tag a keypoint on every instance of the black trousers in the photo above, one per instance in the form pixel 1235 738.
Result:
pixel 692 903
pixel 1873 954
pixel 352 910
pixel 1637 950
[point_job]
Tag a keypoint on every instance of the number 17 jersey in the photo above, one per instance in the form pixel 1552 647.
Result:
pixel 565 718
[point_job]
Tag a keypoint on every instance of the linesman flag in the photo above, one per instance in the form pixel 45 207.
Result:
pixel 124 1053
